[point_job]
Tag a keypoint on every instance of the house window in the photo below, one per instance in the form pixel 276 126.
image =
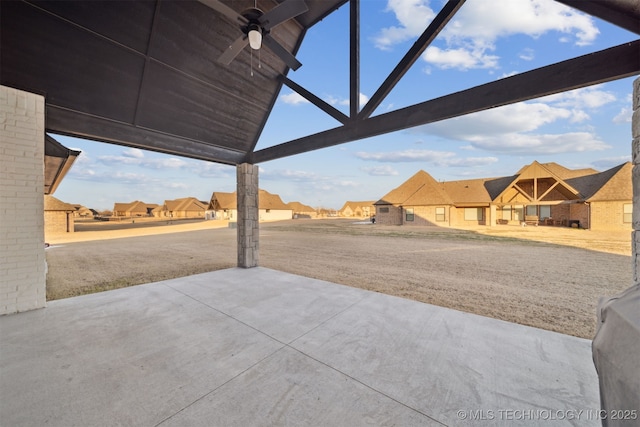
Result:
pixel 473 214
pixel 440 214
pixel 627 213
pixel 384 210
pixel 409 214
pixel 532 210
pixel 545 212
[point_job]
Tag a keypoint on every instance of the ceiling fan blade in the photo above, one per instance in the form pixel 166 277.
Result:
pixel 282 12
pixel 281 52
pixel 218 6
pixel 233 50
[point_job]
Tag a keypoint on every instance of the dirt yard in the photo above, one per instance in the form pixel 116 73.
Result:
pixel 536 276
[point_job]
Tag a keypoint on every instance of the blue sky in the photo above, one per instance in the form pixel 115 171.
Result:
pixel 590 127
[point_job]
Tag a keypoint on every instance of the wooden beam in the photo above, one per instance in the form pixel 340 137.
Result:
pixel 354 58
pixel 598 67
pixel 72 123
pixel 324 106
pixel 623 13
pixel 549 190
pixel 521 191
pixel 429 34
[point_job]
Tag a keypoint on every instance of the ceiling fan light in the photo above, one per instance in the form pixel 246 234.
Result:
pixel 255 38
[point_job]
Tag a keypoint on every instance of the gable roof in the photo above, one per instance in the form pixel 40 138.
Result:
pixel 266 200
pixel 354 205
pixel 220 200
pixel 299 207
pixel 580 184
pixel 184 204
pixel 467 192
pixel 612 184
pixel 53 204
pixel 135 206
pixel 415 190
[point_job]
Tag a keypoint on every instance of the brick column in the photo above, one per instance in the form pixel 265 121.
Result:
pixel 248 229
pixel 22 260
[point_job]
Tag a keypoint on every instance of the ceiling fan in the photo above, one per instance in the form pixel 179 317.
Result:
pixel 256 26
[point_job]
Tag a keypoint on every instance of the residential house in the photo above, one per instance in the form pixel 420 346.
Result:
pixel 84 212
pixel 302 211
pixel 58 216
pixel 538 194
pixel 358 209
pixel 134 209
pixel 270 207
pixel 187 207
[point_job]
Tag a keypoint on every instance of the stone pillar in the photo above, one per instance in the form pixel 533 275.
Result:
pixel 248 228
pixel 616 346
pixel 22 259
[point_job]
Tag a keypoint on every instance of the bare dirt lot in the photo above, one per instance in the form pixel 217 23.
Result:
pixel 536 276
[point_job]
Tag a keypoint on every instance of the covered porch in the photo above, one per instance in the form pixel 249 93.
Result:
pixel 261 347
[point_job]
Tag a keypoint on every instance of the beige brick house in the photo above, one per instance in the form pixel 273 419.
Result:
pixel 357 209
pixel 187 207
pixel 133 209
pixel 300 210
pixel 58 216
pixel 538 194
pixel 270 207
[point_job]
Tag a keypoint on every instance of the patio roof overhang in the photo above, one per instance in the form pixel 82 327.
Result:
pixel 145 74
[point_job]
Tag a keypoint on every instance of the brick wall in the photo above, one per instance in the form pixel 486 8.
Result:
pixel 392 216
pixel 609 216
pixel 58 222
pixel 22 259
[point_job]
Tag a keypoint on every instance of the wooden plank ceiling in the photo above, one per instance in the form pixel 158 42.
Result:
pixel 145 74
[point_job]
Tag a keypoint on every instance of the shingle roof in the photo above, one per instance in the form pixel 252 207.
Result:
pixel 299 207
pixel 136 206
pixel 415 191
pixel 421 189
pixel 355 205
pixel 612 184
pixel 266 200
pixel 467 192
pixel 185 204
pixel 53 204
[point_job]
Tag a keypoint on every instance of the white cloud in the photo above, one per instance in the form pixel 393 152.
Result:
pixel 332 100
pixel 462 59
pixel 514 129
pixel 521 117
pixel 293 98
pixel 573 142
pixel 412 15
pixel 406 156
pixel 132 159
pixel 212 170
pixel 288 175
pixel 469 37
pixel 624 116
pixel 380 171
pixel 437 158
pixel 589 97
pixel 529 17
pixel 527 54
pixel 609 162
pixel 136 153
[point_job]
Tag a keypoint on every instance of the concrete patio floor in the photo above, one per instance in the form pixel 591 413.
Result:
pixel 260 347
